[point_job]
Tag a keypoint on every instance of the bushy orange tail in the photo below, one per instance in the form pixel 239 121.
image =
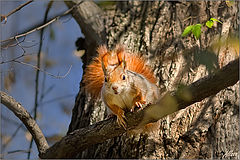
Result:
pixel 94 75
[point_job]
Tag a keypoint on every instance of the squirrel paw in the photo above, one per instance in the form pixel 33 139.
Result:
pixel 121 121
pixel 139 105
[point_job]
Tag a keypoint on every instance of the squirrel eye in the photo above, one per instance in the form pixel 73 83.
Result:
pixel 123 77
pixel 105 79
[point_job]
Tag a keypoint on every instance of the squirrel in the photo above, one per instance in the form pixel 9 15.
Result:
pixel 123 79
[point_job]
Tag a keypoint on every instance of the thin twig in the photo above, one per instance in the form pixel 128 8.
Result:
pixel 42 26
pixel 65 21
pixel 15 44
pixel 20 126
pixel 12 59
pixel 30 46
pixel 11 152
pixel 27 120
pixel 43 84
pixel 23 54
pixel 15 10
pixel 19 44
pixel 57 98
pixel 50 74
pixel 45 93
pixel 13 135
pixel 7 119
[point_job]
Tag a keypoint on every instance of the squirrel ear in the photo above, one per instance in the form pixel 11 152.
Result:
pixel 121 55
pixel 103 66
pixel 122 61
pixel 102 50
pixel 119 49
pixel 124 64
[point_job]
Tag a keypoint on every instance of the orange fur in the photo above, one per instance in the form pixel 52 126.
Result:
pixel 94 75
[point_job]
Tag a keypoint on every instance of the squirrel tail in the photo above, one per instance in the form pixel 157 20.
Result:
pixel 94 76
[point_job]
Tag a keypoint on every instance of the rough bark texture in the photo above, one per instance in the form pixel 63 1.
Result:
pixel 208 129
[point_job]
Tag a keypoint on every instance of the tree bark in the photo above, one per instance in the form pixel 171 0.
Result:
pixel 207 129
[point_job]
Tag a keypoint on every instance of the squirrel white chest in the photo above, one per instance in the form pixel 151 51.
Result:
pixel 121 97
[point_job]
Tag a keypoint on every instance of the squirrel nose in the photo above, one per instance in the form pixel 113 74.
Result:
pixel 114 88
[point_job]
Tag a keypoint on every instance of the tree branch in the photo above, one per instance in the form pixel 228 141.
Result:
pixel 26 118
pixel 3 17
pixel 79 139
pixel 43 25
pixel 90 19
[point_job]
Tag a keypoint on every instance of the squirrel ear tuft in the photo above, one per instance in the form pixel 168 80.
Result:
pixel 120 53
pixel 102 50
pixel 103 67
pixel 119 49
pixel 124 64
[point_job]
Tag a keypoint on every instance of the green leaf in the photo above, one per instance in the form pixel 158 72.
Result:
pixel 213 19
pixel 196 30
pixel 187 30
pixel 209 24
pixel 230 3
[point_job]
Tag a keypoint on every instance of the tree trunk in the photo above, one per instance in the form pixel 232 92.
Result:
pixel 208 129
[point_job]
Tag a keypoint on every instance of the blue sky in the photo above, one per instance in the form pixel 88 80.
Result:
pixel 60 51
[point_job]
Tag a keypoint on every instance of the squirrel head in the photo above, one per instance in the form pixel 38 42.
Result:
pixel 114 67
